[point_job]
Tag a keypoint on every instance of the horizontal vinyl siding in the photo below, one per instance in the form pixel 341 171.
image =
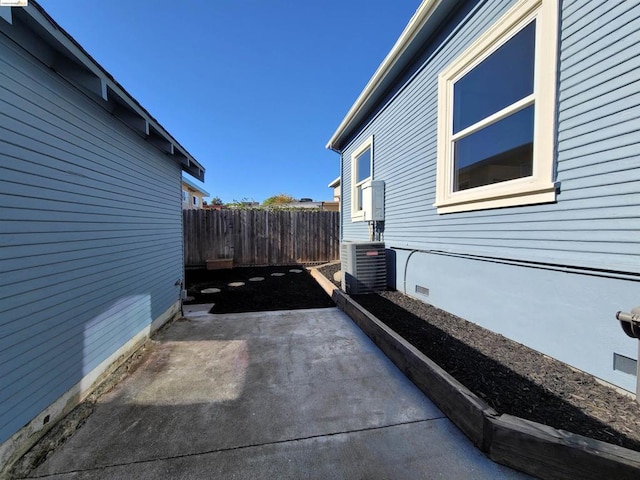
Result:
pixel 596 220
pixel 91 242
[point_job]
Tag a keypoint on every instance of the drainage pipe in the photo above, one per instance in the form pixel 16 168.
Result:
pixel 591 271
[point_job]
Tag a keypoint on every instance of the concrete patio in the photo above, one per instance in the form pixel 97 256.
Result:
pixel 291 394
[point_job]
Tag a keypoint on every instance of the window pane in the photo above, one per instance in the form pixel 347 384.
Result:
pixel 358 198
pixel 500 80
pixel 363 166
pixel 502 151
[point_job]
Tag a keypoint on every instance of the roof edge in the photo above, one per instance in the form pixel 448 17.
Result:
pixel 195 187
pixel 63 41
pixel 410 32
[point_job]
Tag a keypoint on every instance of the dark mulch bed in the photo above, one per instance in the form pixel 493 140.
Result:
pixel 510 377
pixel 291 291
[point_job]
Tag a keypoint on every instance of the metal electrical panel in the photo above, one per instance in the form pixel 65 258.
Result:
pixel 373 201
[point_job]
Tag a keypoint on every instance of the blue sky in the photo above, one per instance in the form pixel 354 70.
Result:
pixel 253 89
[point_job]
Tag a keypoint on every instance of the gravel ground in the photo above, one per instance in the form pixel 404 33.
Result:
pixel 512 378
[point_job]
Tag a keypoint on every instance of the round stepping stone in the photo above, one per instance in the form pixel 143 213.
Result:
pixel 277 274
pixel 236 284
pixel 295 270
pixel 210 290
pixel 256 279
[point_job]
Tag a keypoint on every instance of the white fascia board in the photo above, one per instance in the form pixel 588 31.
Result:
pixel 335 183
pixel 410 32
pixel 109 84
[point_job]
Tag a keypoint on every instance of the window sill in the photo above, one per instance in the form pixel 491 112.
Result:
pixel 536 194
pixel 357 217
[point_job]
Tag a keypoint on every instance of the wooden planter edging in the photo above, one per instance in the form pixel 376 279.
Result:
pixel 530 447
pixel 219 263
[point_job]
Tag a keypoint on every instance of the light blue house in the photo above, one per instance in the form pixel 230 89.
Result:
pixel 507 135
pixel 91 256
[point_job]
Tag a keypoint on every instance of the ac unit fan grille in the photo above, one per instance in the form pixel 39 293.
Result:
pixel 363 267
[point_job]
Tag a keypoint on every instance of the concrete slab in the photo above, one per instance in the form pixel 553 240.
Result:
pixel 210 290
pixel 410 451
pixel 279 394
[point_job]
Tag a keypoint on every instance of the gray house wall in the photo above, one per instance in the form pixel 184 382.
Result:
pixel 550 276
pixel 90 237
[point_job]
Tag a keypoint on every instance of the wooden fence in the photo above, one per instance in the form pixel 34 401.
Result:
pixel 260 237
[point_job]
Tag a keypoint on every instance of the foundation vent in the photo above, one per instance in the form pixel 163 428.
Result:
pixel 422 290
pixel 625 364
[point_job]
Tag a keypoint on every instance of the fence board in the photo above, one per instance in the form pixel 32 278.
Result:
pixel 260 237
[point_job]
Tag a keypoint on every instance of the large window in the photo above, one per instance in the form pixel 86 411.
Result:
pixel 496 115
pixel 361 169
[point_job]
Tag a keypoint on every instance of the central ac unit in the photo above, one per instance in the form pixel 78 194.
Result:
pixel 364 268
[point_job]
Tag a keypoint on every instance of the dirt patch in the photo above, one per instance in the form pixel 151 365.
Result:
pixel 263 289
pixel 509 376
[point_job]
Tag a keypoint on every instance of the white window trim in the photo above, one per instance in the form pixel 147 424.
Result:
pixel 540 186
pixel 358 215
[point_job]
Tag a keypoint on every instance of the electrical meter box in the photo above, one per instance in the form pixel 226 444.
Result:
pixel 373 201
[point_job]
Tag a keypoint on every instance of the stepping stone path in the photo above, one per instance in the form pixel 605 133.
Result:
pixel 278 274
pixel 256 279
pixel 295 270
pixel 236 284
pixel 210 290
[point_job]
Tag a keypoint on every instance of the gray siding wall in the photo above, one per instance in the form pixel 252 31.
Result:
pixel 90 236
pixel 596 220
pixel 567 313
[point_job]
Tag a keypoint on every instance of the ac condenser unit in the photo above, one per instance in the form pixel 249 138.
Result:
pixel 364 268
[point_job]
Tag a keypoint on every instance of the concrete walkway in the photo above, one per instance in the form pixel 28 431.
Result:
pixel 296 394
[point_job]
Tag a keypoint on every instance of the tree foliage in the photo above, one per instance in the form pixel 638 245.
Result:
pixel 243 204
pixel 280 199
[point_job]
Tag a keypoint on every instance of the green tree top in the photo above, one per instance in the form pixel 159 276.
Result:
pixel 280 199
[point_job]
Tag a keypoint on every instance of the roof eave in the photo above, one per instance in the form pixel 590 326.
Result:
pixel 195 187
pixel 393 64
pixel 69 59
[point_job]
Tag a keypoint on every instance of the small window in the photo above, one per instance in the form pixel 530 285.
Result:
pixel 361 172
pixel 195 201
pixel 496 115
pixel 185 196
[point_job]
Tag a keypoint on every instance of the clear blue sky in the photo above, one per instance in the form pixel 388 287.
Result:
pixel 253 89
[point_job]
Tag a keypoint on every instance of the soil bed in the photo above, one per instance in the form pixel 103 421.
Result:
pixel 510 377
pixel 287 290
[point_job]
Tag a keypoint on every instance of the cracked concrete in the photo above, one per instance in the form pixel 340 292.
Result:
pixel 299 394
